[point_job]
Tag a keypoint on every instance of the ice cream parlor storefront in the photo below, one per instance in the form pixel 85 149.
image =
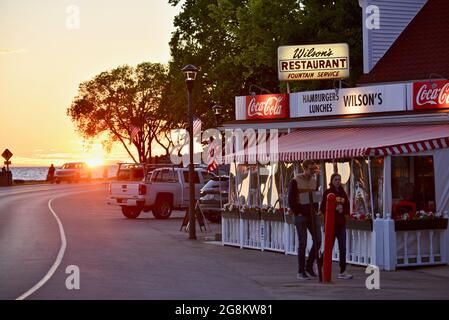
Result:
pixel 394 169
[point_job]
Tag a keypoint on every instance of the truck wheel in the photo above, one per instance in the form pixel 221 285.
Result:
pixel 131 212
pixel 58 181
pixel 162 208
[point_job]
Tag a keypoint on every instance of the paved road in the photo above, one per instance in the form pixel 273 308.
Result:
pixel 151 259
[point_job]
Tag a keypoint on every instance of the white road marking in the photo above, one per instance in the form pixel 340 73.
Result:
pixel 61 252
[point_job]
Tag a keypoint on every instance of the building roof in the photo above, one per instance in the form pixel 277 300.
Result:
pixel 420 50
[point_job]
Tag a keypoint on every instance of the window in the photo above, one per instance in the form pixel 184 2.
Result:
pixel 164 176
pixel 207 176
pixel 169 176
pixel 233 184
pixel 377 179
pixel 196 178
pixel 413 185
pixel 360 188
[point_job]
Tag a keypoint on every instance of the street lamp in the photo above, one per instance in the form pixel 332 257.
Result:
pixel 190 72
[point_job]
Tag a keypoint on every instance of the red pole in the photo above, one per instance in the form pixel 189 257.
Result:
pixel 328 237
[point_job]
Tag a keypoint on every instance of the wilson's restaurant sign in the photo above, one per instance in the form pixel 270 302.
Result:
pixel 312 62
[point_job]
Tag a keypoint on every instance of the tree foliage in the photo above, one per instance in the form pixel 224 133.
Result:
pixel 115 102
pixel 234 43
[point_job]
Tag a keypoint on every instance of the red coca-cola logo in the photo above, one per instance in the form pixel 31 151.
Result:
pixel 267 106
pixel 431 95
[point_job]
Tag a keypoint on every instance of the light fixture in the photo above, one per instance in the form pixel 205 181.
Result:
pixel 252 93
pixel 434 85
pixel 190 72
pixel 340 82
pixel 217 109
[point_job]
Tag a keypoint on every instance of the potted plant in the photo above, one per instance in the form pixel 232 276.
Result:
pixel 270 213
pixel 421 221
pixel 230 211
pixel 249 212
pixel 360 222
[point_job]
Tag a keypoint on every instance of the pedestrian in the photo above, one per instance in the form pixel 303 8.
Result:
pixel 341 211
pixel 105 173
pixel 51 174
pixel 305 183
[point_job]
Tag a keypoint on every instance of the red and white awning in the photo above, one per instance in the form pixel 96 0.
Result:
pixel 338 143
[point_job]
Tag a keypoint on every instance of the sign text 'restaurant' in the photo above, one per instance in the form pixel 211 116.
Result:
pixel 325 61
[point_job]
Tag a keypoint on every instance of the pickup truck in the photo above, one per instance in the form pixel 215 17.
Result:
pixel 160 191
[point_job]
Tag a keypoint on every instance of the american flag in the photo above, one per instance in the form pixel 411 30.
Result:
pixel 212 165
pixel 196 126
pixel 134 131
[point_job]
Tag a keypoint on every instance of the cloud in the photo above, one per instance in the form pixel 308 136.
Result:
pixel 14 51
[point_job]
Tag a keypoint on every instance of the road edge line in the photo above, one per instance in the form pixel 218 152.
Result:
pixel 61 252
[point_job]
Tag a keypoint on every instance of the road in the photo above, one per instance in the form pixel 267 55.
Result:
pixel 147 258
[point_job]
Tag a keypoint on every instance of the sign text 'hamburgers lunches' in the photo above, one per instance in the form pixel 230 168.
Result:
pixel 359 100
pixel 312 62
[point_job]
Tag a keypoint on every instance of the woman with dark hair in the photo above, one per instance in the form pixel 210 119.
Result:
pixel 341 210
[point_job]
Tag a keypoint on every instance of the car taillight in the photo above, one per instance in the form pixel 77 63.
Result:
pixel 110 188
pixel 142 189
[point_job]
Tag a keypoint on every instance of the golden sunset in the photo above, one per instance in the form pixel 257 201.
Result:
pixel 232 157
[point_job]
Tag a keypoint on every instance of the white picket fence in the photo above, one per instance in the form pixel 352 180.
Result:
pixel 421 247
pixel 383 246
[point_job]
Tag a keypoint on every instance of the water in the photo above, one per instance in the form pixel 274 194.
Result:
pixel 40 173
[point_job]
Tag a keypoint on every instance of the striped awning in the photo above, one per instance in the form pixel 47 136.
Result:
pixel 338 143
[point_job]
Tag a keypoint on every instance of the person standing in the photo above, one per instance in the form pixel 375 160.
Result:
pixel 305 183
pixel 341 211
pixel 51 174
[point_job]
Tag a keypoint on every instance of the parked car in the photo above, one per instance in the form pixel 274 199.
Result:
pixel 73 172
pixel 161 191
pixel 212 196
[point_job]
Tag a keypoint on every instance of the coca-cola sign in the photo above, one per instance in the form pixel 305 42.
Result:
pixel 431 95
pixel 267 106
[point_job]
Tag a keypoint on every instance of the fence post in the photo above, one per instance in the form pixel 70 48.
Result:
pixel 378 243
pixel 241 226
pixel 444 246
pixel 390 251
pixel 262 233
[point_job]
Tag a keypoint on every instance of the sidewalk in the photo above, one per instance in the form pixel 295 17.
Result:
pixel 275 274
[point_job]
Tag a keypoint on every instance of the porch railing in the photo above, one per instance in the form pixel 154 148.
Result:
pixel 381 245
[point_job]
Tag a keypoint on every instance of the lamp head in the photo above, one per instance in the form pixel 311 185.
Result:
pixel 217 109
pixel 190 72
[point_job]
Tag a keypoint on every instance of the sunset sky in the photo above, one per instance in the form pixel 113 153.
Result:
pixel 42 62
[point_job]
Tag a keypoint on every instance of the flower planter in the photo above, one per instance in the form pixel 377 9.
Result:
pixel 268 216
pixel 234 214
pixel 250 214
pixel 359 224
pixel 423 224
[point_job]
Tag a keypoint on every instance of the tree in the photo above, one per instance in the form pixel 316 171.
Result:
pixel 234 43
pixel 123 104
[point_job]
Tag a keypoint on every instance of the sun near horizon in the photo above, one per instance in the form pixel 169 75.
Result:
pixel 42 62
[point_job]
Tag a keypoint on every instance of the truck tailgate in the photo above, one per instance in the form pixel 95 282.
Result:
pixel 124 189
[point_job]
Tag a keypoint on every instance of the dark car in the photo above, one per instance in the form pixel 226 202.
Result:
pixel 210 203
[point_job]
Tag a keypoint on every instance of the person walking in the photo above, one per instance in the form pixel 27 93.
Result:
pixel 305 183
pixel 341 210
pixel 51 174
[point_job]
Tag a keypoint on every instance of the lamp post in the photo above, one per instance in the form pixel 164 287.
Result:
pixel 190 72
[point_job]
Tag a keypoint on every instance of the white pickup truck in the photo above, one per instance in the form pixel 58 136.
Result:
pixel 160 191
